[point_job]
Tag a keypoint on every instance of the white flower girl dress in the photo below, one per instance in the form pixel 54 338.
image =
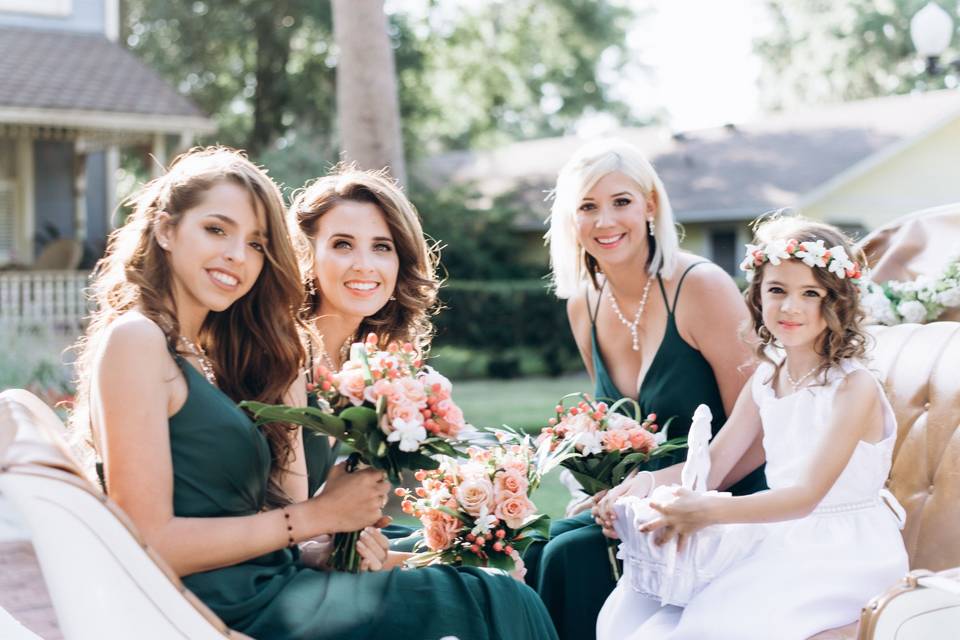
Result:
pixel 783 580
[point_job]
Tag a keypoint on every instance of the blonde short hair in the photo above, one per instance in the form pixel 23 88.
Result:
pixel 570 264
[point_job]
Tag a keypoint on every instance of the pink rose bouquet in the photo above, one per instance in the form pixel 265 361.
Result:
pixel 610 441
pixel 478 512
pixel 394 413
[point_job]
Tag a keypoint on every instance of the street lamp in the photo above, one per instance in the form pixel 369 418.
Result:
pixel 931 30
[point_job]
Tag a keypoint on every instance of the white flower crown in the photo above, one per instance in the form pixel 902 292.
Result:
pixel 811 253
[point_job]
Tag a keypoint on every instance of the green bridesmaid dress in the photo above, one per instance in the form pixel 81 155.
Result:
pixel 572 571
pixel 221 463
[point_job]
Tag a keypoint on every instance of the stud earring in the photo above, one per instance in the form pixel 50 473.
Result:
pixel 653 228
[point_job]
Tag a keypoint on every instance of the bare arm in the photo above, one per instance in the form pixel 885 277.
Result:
pixel 133 392
pixel 717 335
pixel 856 416
pixel 294 481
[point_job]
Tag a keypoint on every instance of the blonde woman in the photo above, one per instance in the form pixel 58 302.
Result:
pixel 652 323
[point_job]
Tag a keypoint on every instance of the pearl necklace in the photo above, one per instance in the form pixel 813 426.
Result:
pixel 796 383
pixel 206 365
pixel 632 326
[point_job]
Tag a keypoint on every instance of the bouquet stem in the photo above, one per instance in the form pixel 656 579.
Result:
pixel 345 556
pixel 612 557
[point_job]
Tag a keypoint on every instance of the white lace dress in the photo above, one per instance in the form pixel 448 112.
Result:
pixel 805 575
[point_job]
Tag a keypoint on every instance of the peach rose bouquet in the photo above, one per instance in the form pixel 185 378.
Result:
pixel 477 512
pixel 610 441
pixel 393 412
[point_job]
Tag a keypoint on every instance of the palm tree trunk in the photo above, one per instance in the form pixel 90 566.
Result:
pixel 368 111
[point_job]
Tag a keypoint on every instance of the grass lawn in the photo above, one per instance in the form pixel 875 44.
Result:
pixel 525 403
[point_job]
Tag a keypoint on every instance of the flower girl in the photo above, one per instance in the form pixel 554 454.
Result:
pixel 824 538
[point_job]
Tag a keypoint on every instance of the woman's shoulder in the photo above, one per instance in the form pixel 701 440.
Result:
pixel 133 332
pixel 698 271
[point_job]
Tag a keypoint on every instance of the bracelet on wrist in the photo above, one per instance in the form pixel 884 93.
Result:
pixel 291 542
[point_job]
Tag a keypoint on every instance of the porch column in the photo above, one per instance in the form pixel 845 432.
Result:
pixel 27 198
pixel 113 166
pixel 159 155
pixel 79 192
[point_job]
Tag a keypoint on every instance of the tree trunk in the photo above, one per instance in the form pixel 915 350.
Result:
pixel 272 91
pixel 368 110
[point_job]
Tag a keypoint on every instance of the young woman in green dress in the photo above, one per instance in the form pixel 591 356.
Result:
pixel 652 323
pixel 195 301
pixel 366 268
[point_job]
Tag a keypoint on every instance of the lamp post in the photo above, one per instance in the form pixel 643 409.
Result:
pixel 931 30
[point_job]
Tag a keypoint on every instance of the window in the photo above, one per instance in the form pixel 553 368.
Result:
pixel 723 249
pixel 38 7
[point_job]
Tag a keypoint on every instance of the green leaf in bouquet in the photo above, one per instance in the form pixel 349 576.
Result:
pixel 501 561
pixel 308 417
pixel 471 560
pixel 521 544
pixel 538 525
pixel 590 484
pixel 414 460
pixel 360 418
pixel 443 447
pixel 630 402
pixel 606 464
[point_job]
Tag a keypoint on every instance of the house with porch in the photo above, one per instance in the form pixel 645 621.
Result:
pixel 71 96
pixel 855 164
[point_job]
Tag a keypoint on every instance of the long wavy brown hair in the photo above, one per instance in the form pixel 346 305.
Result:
pixel 406 318
pixel 844 336
pixel 254 343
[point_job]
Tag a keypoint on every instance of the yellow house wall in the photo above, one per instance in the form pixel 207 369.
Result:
pixel 926 174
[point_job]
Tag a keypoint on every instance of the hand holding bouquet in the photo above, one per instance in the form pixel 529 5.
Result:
pixel 395 414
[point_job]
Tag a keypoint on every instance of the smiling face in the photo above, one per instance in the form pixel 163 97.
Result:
pixel 792 303
pixel 612 219
pixel 215 250
pixel 356 262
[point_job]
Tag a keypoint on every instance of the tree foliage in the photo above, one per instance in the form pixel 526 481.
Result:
pixel 820 50
pixel 470 74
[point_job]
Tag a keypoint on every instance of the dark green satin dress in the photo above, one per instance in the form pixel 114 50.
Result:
pixel 572 572
pixel 221 463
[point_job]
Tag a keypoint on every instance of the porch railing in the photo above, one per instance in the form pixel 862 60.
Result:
pixel 53 300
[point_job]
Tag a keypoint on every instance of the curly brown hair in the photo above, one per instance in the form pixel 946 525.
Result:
pixel 844 336
pixel 406 318
pixel 254 343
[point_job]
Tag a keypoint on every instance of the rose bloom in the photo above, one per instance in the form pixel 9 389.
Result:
pixel 412 390
pixel 430 377
pixel 451 414
pixel 618 440
pixel 642 440
pixel 515 510
pixel 474 493
pixel 510 482
pixel 618 421
pixel 439 530
pixel 511 462
pixel 406 411
pixel 382 388
pixel 579 423
pixel 351 385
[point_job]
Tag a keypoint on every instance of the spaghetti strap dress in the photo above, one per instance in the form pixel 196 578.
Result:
pixel 571 572
pixel 221 463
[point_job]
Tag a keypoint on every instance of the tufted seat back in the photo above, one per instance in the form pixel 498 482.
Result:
pixel 920 367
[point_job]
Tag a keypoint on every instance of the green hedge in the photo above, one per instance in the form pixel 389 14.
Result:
pixel 517 327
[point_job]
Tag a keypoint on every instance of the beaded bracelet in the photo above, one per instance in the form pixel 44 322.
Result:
pixel 286 515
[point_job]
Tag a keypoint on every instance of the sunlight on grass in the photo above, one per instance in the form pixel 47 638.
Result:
pixel 525 403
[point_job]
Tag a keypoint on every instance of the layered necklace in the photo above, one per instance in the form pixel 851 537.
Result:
pixel 206 365
pixel 632 326
pixel 344 352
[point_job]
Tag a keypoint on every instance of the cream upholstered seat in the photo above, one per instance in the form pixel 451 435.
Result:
pixel 920 369
pixel 103 580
